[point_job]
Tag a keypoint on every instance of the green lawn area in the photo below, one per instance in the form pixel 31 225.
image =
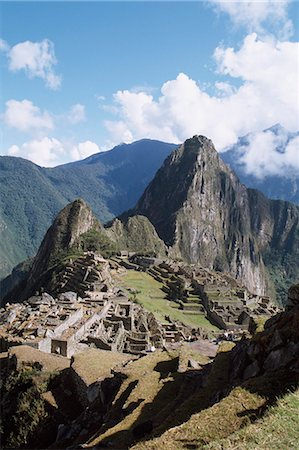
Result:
pixel 277 429
pixel 152 298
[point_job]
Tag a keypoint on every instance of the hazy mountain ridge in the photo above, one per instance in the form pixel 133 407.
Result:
pixel 75 230
pixel 283 186
pixel 111 182
pixel 198 205
pixel 28 204
pixel 32 196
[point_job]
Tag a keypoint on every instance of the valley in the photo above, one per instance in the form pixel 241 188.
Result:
pixel 148 292
pixel 163 327
pixel 149 225
pixel 110 182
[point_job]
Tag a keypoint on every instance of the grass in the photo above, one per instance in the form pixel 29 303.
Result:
pixel 49 361
pixel 138 391
pixel 152 389
pixel 242 420
pixel 278 429
pixel 153 299
pixel 260 323
pixel 187 353
pixel 93 364
pixel 213 423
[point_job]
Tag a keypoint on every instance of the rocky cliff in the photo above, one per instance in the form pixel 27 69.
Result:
pixel 63 235
pixel 110 182
pixel 136 234
pixel 199 207
pixel 74 231
pixel 74 220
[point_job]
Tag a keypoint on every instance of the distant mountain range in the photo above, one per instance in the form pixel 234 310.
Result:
pixel 195 210
pixel 199 207
pixel 284 187
pixel 110 182
pixel 31 196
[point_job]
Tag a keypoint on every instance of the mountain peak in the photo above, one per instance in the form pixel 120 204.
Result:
pixel 200 141
pixel 73 220
pixel 194 165
pixel 197 145
pixel 200 209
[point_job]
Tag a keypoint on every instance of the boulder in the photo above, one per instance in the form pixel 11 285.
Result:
pixel 293 296
pixel 251 371
pixel 281 357
pixel 276 341
pixel 68 296
pixel 193 364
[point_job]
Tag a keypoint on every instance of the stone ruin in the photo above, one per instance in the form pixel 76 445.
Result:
pixel 88 310
pixel 218 296
pixel 89 272
pixel 97 314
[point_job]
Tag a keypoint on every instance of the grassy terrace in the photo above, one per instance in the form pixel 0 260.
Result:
pixel 151 296
pixel 278 429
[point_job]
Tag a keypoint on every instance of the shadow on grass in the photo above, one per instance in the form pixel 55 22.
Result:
pixel 185 394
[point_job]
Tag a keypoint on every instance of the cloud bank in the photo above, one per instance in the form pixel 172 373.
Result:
pixel 50 152
pixel 26 117
pixel 269 153
pixel 268 76
pixel 258 16
pixel 37 59
pixel 44 152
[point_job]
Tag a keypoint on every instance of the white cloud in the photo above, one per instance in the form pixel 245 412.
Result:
pixel 14 150
pixel 4 47
pixel 268 72
pixel 259 16
pixel 46 152
pixel 50 152
pixel 83 150
pixel 25 116
pixel 224 88
pixel 37 59
pixel 77 114
pixel 268 153
pixel 100 98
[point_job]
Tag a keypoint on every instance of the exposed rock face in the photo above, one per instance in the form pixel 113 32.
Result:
pixel 72 221
pixel 293 296
pixel 136 234
pixel 276 348
pixel 200 208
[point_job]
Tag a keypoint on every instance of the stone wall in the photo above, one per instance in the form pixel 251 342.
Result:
pixel 73 318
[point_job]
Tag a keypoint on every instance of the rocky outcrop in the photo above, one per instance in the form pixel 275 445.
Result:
pixel 75 231
pixel 136 234
pixel 72 221
pixel 293 297
pixel 274 349
pixel 199 207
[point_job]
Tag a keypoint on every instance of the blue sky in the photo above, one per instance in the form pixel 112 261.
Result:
pixel 80 77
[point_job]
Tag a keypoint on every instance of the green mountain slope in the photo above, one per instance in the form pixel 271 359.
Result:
pixel 28 203
pixel 31 196
pixel 200 208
